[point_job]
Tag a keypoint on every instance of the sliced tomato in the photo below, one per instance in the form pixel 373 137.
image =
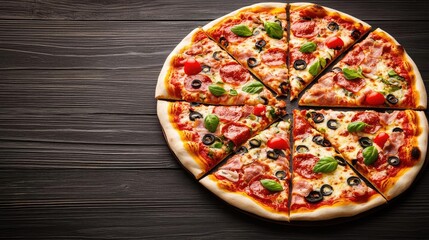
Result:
pixel 374 98
pixel 259 110
pixel 334 43
pixel 192 67
pixel 278 143
pixel 381 139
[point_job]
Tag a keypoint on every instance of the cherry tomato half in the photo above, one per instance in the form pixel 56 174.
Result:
pixel 192 67
pixel 334 43
pixel 374 98
pixel 381 139
pixel 259 110
pixel 278 143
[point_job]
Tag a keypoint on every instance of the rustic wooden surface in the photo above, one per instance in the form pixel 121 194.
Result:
pixel 82 155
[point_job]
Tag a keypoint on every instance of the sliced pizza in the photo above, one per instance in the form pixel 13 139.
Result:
pixel 201 136
pixel 324 186
pixel 388 149
pixel 376 73
pixel 257 37
pixel 198 70
pixel 318 35
pixel 256 179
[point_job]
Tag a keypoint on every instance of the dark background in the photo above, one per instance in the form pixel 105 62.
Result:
pixel 82 155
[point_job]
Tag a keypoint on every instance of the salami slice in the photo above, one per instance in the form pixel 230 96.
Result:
pixel 274 57
pixel 234 73
pixel 228 113
pixel 237 133
pixel 304 164
pixel 354 85
pixel 354 57
pixel 304 29
pixel 372 119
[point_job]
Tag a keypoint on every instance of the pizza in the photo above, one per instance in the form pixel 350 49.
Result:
pixel 256 178
pixel 376 73
pixel 221 102
pixel 324 185
pixel 318 35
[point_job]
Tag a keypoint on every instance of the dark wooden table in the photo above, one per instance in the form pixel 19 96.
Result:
pixel 82 155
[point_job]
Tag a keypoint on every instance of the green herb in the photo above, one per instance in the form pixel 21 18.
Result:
pixel 217 145
pixel 229 147
pixel 322 62
pixel 211 122
pixel 393 74
pixel 325 165
pixel 241 30
pixel 217 90
pixel 308 47
pixel 253 87
pixel 233 92
pixel 315 68
pixel 370 154
pixel 274 30
pixel 356 126
pixel 392 84
pixel 272 112
pixel 271 185
pixel 351 74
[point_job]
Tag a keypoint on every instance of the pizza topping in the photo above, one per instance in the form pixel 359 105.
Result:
pixel 236 132
pixel 272 155
pixel 394 161
pixel 370 154
pixel 365 142
pixel 325 165
pixel 205 69
pixel 242 31
pixel 317 117
pixel 271 185
pixel 192 67
pixel 242 150
pixel 300 64
pixel 333 26
pixel 392 99
pixel 253 87
pixel 351 74
pixel 397 129
pixel 372 120
pixel 217 90
pixel 308 47
pixel 260 44
pixel 284 87
pixel 194 115
pixel 304 164
pixel 211 122
pixel 340 161
pixel 317 66
pixel 357 126
pixel 374 98
pixel 381 139
pixel 302 149
pixel 274 57
pixel 355 34
pixel 304 29
pixel 334 43
pixel 333 124
pixel 216 55
pixel 278 143
pixel 319 140
pixel 415 153
pixel 254 143
pixel 230 175
pixel 234 73
pixel 353 181
pixel 252 62
pixel 281 175
pixel 223 41
pixel 326 190
pixel 314 197
pixel 197 83
pixel 259 110
pixel 273 29
pixel 208 139
pixel 336 70
pixel 355 57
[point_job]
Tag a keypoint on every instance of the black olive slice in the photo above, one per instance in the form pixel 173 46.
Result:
pixel 264 99
pixel 279 22
pixel 252 62
pixel 280 175
pixel 326 143
pixel 318 140
pixel 333 26
pixel 336 69
pixel 254 143
pixel 209 139
pixel 215 55
pixel 353 181
pixel 394 161
pixel 340 161
pixel 194 115
pixel 242 150
pixel 223 41
pixel 365 142
pixel 397 129
pixel 326 189
pixel 205 68
pixel 195 104
pixel 314 197
pixel 300 80
pixel 299 64
pixel 415 153
pixel 355 34
pixel 260 44
pixel 283 87
pixel 318 117
pixel 280 152
pixel 301 149
pixel 391 99
pixel 196 83
pixel 272 155
pixel 332 124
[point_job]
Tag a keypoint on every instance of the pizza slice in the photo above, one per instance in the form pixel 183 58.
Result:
pixel 324 186
pixel 318 35
pixel 256 179
pixel 201 136
pixel 198 70
pixel 376 73
pixel 388 149
pixel 257 37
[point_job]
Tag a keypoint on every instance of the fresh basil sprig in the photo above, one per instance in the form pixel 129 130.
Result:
pixel 216 90
pixel 370 154
pixel 316 67
pixel 308 47
pixel 356 126
pixel 211 122
pixel 253 87
pixel 274 30
pixel 325 165
pixel 241 30
pixel 271 185
pixel 233 92
pixel 351 74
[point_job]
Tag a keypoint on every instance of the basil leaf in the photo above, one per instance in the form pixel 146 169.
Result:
pixel 233 92
pixel 356 126
pixel 253 87
pixel 272 112
pixel 315 68
pixel 393 74
pixel 241 30
pixel 308 47
pixel 271 185
pixel 217 145
pixel 351 74
pixel 325 165
pixel 211 122
pixel 216 90
pixel 370 154
pixel 322 62
pixel 274 30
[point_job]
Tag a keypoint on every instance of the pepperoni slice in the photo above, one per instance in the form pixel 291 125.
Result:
pixel 205 82
pixel 258 190
pixel 354 85
pixel 354 57
pixel 304 29
pixel 370 118
pixel 236 132
pixel 232 114
pixel 303 164
pixel 274 57
pixel 300 126
pixel 234 73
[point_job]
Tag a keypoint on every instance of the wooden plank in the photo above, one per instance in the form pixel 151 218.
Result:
pixel 189 10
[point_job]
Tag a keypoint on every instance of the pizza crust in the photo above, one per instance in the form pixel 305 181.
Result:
pixel 242 201
pixel 175 142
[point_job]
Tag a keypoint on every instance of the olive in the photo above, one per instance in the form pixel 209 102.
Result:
pixel 272 155
pixel 314 197
pixel 223 41
pixel 326 143
pixel 333 124
pixel 336 69
pixel 326 190
pixel 301 149
pixel 196 83
pixel 300 80
pixel 284 87
pixel 205 68
pixel 353 181
pixel 194 115
pixel 260 44
pixel 280 174
pixel 318 140
pixel 254 143
pixel 318 117
pixel 340 161
pixel 365 142
pixel 279 22
pixel 299 64
pixel 215 55
pixel 397 129
pixel 195 104
pixel 333 26
pixel 394 161
pixel 280 152
pixel 264 99
pixel 415 153
pixel 208 139
pixel 242 150
pixel 355 34
pixel 391 99
pixel 252 62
